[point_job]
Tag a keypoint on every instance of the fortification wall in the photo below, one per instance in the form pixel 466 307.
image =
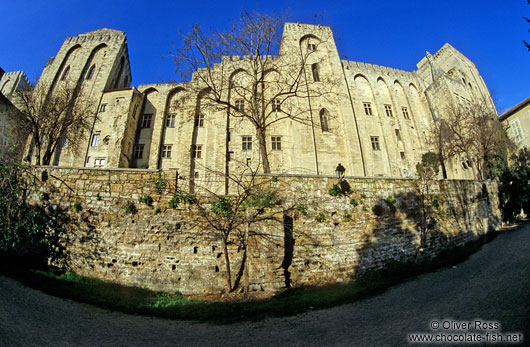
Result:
pixel 162 248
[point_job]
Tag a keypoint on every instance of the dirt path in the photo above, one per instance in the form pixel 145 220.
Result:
pixel 494 285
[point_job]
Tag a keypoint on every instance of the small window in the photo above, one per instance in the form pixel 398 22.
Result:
pixel 99 163
pixel 103 108
pixel 197 151
pixel 166 151
pixel 311 47
pixel 248 161
pixel 65 73
pixel 240 105
pixel 388 110
pixel 276 142
pixel 146 120
pixel 134 111
pixel 95 140
pixel 230 156
pixel 247 143
pixel 276 105
pixel 170 121
pixel 90 73
pixel 199 120
pixel 375 143
pixel 315 72
pixel 139 151
pixel 324 120
pixel 398 134
pixel 367 109
pixel 106 140
pixel 402 154
pixel 196 175
pixel 405 112
pixel 517 132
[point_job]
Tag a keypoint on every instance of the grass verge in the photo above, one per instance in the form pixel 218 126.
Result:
pixel 134 300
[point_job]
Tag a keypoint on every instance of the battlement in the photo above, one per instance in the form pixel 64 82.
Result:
pixel 305 28
pixel 371 68
pixel 98 35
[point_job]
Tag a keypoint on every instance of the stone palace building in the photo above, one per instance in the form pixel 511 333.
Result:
pixel 374 120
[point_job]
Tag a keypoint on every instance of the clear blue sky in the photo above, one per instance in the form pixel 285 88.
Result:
pixel 391 33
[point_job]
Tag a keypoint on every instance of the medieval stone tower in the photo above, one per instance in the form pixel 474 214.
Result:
pixel 91 63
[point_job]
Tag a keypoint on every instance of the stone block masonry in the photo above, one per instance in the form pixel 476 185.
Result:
pixel 323 239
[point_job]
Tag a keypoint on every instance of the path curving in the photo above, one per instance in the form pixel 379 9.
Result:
pixel 493 285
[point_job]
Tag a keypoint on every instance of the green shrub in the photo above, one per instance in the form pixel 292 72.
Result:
pixel 302 209
pixel 174 202
pixel 222 207
pixel 77 206
pixel 347 216
pixel 158 210
pixel 335 190
pixel 160 183
pixel 354 202
pixel 98 197
pixel 363 196
pixel 320 217
pixel 130 208
pixel 274 179
pixel 147 199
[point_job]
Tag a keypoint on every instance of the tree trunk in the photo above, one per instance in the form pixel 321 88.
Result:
pixel 262 143
pixel 227 263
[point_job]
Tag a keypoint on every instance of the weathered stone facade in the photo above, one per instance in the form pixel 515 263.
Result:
pixel 160 247
pixel 516 121
pixel 378 118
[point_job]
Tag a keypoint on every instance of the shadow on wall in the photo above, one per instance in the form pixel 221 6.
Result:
pixel 416 226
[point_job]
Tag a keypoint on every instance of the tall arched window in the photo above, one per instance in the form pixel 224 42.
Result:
pixel 65 73
pixel 90 73
pixel 324 120
pixel 314 70
pixel 125 82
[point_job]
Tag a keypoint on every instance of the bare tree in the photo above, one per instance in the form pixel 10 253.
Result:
pixel 471 131
pixel 54 119
pixel 244 72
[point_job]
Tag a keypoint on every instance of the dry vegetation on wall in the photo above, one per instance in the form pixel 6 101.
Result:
pixel 136 227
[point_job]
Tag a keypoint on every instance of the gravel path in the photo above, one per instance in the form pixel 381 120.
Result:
pixel 493 285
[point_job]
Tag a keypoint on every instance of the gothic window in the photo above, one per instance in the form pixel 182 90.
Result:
pixel 388 110
pixel 247 143
pixel 170 120
pixel 134 111
pixel 367 108
pixel 240 105
pixel 166 151
pixel 199 120
pixel 95 140
pixel 65 73
pixel 276 142
pixel 324 120
pixel 398 134
pixel 276 105
pixel 197 151
pixel 405 112
pixel 90 73
pixel 375 143
pixel 311 47
pixel 314 70
pixel 146 120
pixel 139 151
pixel 103 108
